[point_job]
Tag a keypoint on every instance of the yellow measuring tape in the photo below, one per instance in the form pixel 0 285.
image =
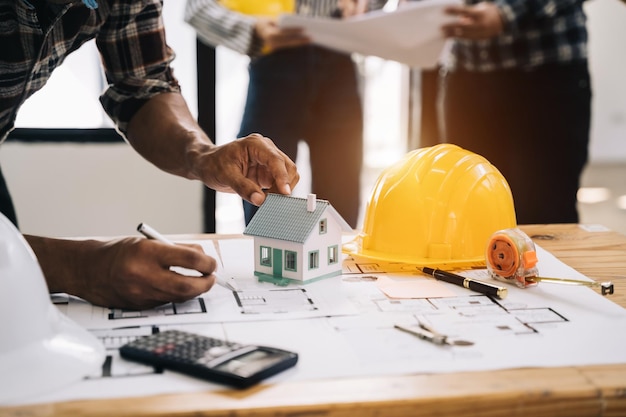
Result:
pixel 511 257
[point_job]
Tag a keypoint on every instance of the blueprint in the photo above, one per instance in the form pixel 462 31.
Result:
pixel 347 323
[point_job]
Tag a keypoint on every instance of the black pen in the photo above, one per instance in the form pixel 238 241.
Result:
pixel 469 283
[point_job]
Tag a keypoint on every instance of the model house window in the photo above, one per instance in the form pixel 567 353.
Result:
pixel 266 256
pixel 323 226
pixel 314 259
pixel 333 254
pixel 290 260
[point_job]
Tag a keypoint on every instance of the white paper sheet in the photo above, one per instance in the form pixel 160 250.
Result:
pixel 410 35
pixel 544 326
pixel 254 301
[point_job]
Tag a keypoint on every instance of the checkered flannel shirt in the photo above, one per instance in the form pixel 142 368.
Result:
pixel 537 32
pixel 36 36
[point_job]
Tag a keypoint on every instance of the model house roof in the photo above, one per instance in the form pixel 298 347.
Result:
pixel 287 218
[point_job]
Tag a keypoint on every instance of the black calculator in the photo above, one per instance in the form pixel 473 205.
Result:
pixel 234 364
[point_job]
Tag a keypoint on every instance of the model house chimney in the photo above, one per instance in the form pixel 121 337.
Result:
pixel 311 200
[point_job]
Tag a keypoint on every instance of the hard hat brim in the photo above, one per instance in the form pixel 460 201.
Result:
pixel 394 263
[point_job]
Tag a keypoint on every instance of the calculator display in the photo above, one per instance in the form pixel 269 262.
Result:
pixel 251 363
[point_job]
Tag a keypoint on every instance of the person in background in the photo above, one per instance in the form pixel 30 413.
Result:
pixel 143 99
pixel 297 91
pixel 516 90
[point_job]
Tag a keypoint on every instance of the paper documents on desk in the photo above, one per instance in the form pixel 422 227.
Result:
pixel 410 35
pixel 552 325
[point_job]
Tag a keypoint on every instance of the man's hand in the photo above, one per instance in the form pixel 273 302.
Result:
pixel 248 166
pixel 479 21
pixel 164 132
pixel 350 8
pixel 275 38
pixel 131 273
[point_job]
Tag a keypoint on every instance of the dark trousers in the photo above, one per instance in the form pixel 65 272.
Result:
pixel 311 94
pixel 6 203
pixel 533 126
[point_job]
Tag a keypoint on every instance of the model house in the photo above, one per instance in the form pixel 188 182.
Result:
pixel 296 239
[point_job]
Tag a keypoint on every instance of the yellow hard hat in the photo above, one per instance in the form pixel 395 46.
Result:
pixel 270 8
pixel 436 207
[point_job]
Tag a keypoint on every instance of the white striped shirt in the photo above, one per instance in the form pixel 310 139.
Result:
pixel 217 25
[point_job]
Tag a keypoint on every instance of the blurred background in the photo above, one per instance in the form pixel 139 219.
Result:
pixel 106 189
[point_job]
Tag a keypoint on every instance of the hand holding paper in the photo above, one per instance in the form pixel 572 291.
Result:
pixel 412 34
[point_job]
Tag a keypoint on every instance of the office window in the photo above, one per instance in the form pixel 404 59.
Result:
pixel 314 259
pixel 58 107
pixel 333 254
pixel 323 226
pixel 266 256
pixel 291 258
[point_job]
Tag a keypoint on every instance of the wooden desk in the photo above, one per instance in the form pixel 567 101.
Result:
pixel 553 392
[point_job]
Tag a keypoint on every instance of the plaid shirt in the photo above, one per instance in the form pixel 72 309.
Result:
pixel 536 32
pixel 36 36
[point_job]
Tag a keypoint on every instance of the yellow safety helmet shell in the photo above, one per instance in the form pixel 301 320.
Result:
pixel 270 8
pixel 436 207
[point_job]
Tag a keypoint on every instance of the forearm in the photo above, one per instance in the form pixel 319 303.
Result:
pixel 63 262
pixel 133 272
pixel 165 133
pixel 376 4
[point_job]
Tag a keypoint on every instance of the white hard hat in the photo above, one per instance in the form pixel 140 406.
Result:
pixel 41 349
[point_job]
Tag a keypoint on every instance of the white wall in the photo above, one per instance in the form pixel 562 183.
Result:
pixel 607 32
pixel 104 190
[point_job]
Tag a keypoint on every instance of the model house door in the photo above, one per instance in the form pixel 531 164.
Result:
pixel 278 262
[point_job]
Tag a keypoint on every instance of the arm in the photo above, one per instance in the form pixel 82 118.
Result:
pixel 479 21
pixel 145 102
pixel 489 19
pixel 165 133
pixel 109 273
